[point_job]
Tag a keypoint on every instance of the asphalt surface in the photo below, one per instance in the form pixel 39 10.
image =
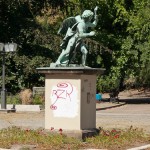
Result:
pixel 108 115
pixel 136 115
pixel 32 120
pixel 36 120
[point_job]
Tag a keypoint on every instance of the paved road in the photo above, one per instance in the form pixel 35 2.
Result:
pixel 137 115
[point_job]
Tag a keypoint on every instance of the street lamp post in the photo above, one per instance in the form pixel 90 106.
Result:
pixel 4 48
pixel 3 92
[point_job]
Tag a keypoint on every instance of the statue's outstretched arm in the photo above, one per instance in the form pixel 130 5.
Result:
pixel 82 34
pixel 94 23
pixel 95 16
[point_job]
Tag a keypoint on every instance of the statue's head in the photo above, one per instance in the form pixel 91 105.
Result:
pixel 87 15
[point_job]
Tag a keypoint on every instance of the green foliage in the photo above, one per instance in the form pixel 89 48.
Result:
pixel 36 44
pixel 107 83
pixel 139 33
pixel 131 53
pixel 41 138
pixel 13 99
pixel 116 139
pixel 56 139
pixel 121 44
pixel 38 100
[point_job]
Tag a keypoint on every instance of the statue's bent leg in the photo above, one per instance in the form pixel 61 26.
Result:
pixel 65 53
pixel 84 54
pixel 60 57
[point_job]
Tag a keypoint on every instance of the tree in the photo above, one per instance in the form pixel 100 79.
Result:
pixel 137 43
pixel 19 23
pixel 121 44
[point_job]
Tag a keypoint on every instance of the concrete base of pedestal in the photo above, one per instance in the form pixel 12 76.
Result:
pixel 79 134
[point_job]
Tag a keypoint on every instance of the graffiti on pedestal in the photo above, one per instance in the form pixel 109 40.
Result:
pixel 64 102
pixel 63 91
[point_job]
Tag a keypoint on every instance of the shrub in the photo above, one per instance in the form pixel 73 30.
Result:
pixel 38 100
pixel 107 84
pixel 26 96
pixel 13 99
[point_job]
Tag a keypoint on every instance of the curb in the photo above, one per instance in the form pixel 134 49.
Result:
pixel 110 107
pixel 23 108
pixel 140 148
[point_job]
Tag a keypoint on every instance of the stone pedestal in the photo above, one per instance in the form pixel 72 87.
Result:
pixel 70 97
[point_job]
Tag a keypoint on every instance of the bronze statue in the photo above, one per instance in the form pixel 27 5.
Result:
pixel 75 30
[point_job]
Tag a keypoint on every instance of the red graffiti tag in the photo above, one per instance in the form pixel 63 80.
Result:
pixel 62 92
pixel 62 85
pixel 53 107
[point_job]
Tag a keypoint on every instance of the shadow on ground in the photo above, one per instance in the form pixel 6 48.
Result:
pixel 131 100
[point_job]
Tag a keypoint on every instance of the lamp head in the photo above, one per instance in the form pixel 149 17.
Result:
pixel 10 47
pixel 1 47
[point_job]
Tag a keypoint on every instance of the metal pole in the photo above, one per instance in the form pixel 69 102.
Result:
pixel 3 92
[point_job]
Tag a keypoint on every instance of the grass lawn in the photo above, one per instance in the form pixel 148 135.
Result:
pixel 109 139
